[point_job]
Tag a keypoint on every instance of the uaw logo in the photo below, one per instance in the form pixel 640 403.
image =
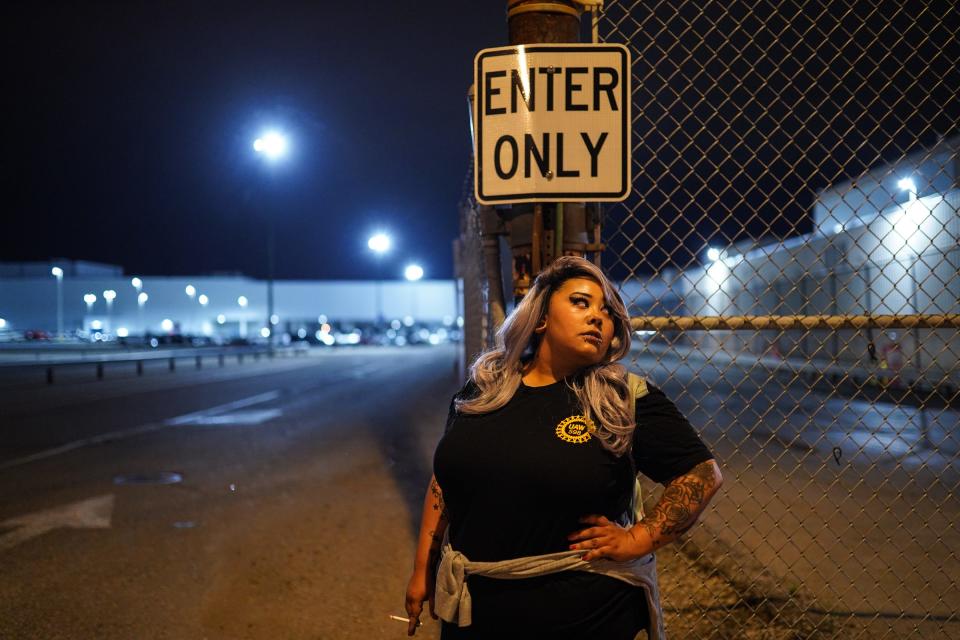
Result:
pixel 575 429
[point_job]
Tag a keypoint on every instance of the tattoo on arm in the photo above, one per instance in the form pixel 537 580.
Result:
pixel 438 503
pixel 681 502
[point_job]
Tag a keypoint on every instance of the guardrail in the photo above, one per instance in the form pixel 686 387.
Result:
pixel 170 356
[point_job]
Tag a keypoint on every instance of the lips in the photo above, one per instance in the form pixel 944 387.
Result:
pixel 593 337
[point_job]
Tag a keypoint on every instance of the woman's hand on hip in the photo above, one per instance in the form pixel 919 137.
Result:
pixel 607 540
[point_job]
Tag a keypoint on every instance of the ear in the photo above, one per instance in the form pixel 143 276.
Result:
pixel 541 327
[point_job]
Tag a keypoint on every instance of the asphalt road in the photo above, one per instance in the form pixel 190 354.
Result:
pixel 301 481
pixel 292 519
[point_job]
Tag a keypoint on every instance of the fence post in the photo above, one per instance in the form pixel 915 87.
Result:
pixel 49 375
pixel 172 366
pixel 220 358
pixel 139 367
pixel 199 362
pixel 99 371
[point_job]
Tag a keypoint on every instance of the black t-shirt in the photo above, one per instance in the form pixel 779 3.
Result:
pixel 516 481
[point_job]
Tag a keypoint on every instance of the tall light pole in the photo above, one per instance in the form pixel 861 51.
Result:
pixel 413 273
pixel 57 273
pixel 191 292
pixel 242 302
pixel 272 145
pixel 109 295
pixel 379 243
pixel 89 299
pixel 142 298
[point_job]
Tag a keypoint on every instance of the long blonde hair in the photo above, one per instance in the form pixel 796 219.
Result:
pixel 601 389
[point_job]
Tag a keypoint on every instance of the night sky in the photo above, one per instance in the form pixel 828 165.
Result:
pixel 128 130
pixel 128 127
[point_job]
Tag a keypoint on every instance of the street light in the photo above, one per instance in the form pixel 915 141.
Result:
pixel 203 300
pixel 273 146
pixel 908 185
pixel 412 273
pixel 379 243
pixel 190 290
pixel 142 298
pixel 109 295
pixel 57 273
pixel 137 284
pixel 242 301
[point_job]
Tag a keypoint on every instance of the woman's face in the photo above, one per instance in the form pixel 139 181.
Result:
pixel 578 327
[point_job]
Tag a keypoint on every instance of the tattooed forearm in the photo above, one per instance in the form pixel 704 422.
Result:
pixel 438 503
pixel 681 503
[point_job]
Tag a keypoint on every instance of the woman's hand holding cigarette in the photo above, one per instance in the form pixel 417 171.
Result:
pixel 420 588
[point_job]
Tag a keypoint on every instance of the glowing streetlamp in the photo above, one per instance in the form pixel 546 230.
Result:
pixel 142 298
pixel 242 301
pixel 89 298
pixel 273 146
pixel 413 273
pixel 380 244
pixel 57 273
pixel 190 290
pixel 203 300
pixel 109 295
pixel 908 185
pixel 137 284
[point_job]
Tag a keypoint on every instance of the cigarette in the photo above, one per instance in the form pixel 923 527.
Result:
pixel 393 617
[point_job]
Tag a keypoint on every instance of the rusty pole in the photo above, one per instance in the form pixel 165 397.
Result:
pixel 534 245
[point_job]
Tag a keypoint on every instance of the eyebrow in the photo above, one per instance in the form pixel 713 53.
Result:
pixel 584 293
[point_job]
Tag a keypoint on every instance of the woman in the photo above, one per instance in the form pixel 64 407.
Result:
pixel 539 456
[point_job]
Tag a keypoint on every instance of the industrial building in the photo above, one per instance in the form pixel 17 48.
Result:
pixel 885 243
pixel 91 297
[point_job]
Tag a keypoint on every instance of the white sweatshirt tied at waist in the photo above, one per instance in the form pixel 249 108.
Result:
pixel 452 599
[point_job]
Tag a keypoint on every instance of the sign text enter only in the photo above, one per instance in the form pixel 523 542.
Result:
pixel 552 123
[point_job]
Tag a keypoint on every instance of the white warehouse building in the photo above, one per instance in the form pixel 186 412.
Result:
pixel 887 243
pixel 216 306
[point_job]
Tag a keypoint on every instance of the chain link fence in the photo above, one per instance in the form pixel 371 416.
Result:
pixel 790 256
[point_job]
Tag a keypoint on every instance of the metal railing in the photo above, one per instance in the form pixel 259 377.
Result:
pixel 169 356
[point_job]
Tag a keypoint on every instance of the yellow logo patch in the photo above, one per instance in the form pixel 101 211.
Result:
pixel 575 429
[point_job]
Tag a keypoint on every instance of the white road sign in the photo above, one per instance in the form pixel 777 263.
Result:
pixel 552 123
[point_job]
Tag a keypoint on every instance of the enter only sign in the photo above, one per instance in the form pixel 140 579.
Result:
pixel 552 123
